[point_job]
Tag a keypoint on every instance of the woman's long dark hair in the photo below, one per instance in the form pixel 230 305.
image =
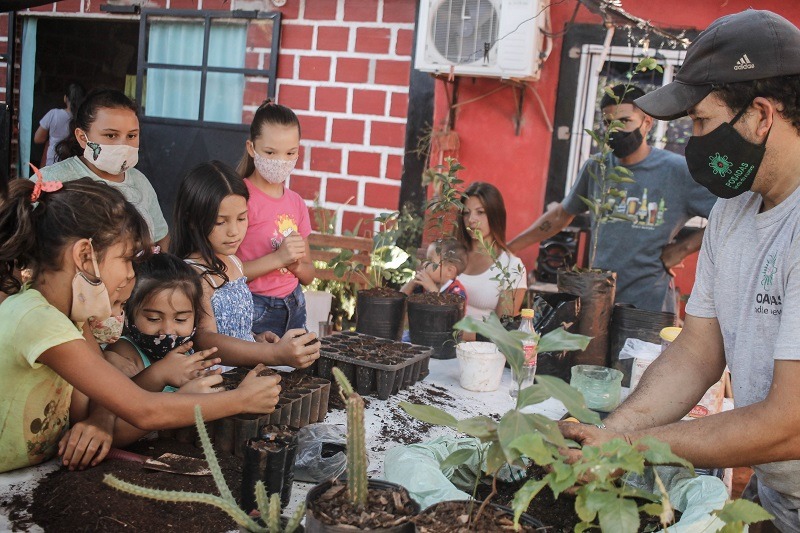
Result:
pixel 35 236
pixel 199 197
pixel 495 208
pixel 163 272
pixel 84 116
pixel 75 94
pixel 268 113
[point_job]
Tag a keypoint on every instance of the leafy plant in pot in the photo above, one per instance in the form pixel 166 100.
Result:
pixel 601 497
pixel 431 313
pixel 380 310
pixel 267 520
pixel 362 504
pixel 596 287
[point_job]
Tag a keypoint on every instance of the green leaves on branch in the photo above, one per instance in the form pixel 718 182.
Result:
pixel 737 513
pixel 571 398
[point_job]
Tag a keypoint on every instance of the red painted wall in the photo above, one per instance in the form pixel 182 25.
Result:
pixel 518 165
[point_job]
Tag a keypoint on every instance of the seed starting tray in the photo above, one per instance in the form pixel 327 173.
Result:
pixel 370 377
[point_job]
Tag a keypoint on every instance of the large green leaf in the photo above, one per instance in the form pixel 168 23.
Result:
pixel 524 495
pixel 659 453
pixel 457 458
pixel 509 345
pixel 570 397
pixel 743 511
pixel 481 427
pixel 562 477
pixel 495 458
pixel 534 448
pixel 429 414
pixel 531 396
pixel 559 339
pixel 619 515
pixel 513 425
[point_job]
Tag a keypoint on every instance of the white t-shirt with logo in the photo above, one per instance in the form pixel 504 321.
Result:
pixel 748 278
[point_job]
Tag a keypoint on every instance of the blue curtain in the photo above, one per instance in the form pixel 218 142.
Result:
pixel 176 93
pixel 28 73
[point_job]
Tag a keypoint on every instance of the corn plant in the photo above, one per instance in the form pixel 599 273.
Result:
pixel 269 508
pixel 356 441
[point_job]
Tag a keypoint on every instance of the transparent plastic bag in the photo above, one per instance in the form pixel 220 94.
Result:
pixel 321 453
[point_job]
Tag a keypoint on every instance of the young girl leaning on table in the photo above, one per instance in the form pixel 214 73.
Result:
pixel 210 221
pixel 79 240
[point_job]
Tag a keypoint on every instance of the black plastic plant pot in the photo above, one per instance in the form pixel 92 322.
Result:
pixel 524 519
pixel 270 459
pixel 381 316
pixel 596 291
pixel 432 325
pixel 314 525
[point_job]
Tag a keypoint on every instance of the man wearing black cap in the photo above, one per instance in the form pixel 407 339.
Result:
pixel 740 84
pixel 658 204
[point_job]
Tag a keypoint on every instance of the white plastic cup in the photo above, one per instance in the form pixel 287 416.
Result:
pixel 318 307
pixel 481 366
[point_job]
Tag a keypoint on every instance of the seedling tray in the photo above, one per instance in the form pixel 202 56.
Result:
pixel 303 400
pixel 357 356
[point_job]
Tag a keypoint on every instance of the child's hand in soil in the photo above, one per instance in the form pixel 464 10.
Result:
pixel 205 384
pixel 423 278
pixel 259 393
pixel 86 443
pixel 292 249
pixel 294 351
pixel 177 368
pixel 267 336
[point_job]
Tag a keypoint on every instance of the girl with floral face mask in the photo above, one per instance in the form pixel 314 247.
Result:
pixel 79 240
pixel 104 145
pixel 275 251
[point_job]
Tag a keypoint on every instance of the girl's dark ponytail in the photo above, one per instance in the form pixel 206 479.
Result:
pixel 16 233
pixel 268 113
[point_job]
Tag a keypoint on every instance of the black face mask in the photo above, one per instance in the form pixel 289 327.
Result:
pixel 723 161
pixel 624 143
pixel 155 346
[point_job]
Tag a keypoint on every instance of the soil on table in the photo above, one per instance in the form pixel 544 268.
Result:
pixel 381 292
pixel 558 515
pixel 436 298
pixel 80 501
pixel 364 348
pixel 385 508
pixel 454 517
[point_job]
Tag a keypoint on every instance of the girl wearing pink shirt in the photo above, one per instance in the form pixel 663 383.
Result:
pixel 275 249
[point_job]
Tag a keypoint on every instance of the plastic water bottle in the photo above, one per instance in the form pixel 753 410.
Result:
pixel 529 346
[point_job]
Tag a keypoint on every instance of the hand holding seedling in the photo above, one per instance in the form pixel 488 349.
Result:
pixel 301 348
pixel 177 368
pixel 259 394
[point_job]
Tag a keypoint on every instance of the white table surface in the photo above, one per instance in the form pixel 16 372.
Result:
pixel 379 414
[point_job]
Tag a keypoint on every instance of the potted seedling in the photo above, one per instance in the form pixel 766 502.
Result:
pixel 361 504
pixel 379 309
pixel 269 508
pixel 432 314
pixel 601 497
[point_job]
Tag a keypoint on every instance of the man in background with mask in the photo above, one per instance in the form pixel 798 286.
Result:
pixel 660 202
pixel 739 84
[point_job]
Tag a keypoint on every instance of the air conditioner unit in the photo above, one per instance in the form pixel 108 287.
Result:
pixel 493 38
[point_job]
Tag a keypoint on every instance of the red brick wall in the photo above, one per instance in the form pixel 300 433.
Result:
pixel 344 68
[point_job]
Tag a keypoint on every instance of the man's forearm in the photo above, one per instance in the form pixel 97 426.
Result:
pixel 675 381
pixel 547 225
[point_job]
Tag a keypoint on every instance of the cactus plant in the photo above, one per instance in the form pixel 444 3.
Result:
pixel 270 508
pixel 356 441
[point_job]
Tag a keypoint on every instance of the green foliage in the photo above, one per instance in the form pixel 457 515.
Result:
pixel 270 509
pixel 356 441
pixel 737 513
pixel 447 195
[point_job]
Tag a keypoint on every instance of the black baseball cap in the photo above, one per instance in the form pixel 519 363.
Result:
pixel 750 45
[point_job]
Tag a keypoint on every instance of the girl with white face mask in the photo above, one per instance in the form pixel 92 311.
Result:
pixel 104 145
pixel 275 249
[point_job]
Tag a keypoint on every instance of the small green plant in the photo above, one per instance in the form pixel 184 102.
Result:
pixel 269 508
pixel 388 262
pixel 602 497
pixel 446 201
pixel 356 441
pixel 608 180
pixel 506 278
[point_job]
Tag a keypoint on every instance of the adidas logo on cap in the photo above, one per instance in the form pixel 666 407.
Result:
pixel 743 63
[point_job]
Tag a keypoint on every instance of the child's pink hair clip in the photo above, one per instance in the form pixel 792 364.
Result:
pixel 42 186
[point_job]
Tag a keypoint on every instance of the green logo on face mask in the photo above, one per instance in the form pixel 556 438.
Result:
pixel 720 164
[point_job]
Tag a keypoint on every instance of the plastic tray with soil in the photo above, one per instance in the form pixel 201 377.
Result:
pixel 374 365
pixel 303 400
pixel 79 501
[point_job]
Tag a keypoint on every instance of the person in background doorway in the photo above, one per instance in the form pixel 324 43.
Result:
pixel 105 147
pixel 55 125
pixel 658 204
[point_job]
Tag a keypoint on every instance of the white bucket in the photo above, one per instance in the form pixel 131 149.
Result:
pixel 318 307
pixel 481 365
